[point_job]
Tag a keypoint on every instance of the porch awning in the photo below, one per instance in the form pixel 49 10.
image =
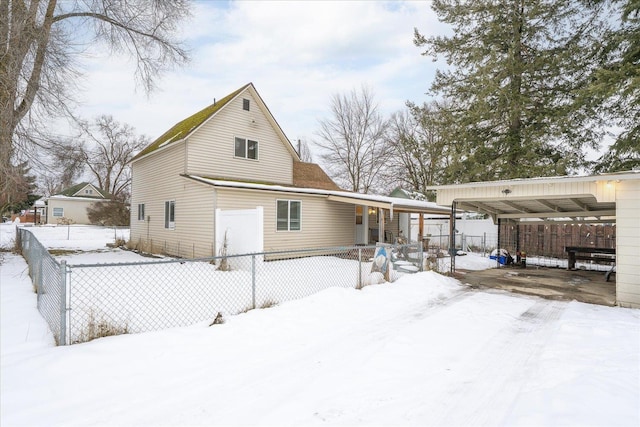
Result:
pixel 393 204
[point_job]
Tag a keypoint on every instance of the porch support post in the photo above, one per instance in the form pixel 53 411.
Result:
pixel 381 225
pixel 421 230
pixel 518 241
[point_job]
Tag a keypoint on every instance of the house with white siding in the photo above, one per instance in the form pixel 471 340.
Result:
pixel 71 203
pixel 228 176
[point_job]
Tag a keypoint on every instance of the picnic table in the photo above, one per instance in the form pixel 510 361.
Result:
pixel 597 255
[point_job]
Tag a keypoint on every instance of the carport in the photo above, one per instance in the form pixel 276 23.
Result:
pixel 610 198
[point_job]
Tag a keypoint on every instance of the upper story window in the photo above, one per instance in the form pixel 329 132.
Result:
pixel 88 191
pixel 246 148
pixel 245 104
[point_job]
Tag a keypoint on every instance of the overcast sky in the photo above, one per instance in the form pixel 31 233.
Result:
pixel 297 54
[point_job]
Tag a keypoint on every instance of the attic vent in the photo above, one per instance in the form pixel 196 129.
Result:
pixel 245 104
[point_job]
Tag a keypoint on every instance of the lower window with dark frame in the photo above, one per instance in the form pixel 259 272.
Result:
pixel 170 214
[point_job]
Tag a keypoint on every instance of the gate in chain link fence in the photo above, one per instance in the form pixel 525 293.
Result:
pixel 480 244
pixel 81 302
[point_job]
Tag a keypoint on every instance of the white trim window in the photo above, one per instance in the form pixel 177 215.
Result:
pixel 140 211
pixel 246 148
pixel 288 215
pixel 58 212
pixel 170 214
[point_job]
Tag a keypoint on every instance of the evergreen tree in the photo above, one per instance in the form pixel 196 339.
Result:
pixel 515 69
pixel 616 87
pixel 21 195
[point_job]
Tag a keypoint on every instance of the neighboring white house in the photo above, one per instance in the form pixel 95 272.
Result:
pixel 72 203
pixel 229 174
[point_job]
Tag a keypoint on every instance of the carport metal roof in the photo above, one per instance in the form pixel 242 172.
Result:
pixel 572 198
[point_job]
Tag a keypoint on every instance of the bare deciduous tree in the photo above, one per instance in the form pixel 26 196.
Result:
pixel 421 155
pixel 40 42
pixel 304 151
pixel 63 166
pixel 107 147
pixel 352 142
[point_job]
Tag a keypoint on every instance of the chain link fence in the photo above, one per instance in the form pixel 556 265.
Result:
pixel 86 301
pixel 49 281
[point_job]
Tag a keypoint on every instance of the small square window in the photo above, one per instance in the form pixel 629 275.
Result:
pixel 245 104
pixel 58 212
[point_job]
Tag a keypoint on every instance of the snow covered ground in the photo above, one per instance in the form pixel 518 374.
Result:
pixel 424 350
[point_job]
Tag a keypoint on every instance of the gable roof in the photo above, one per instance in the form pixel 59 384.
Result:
pixel 400 192
pixel 186 127
pixel 74 189
pixel 311 175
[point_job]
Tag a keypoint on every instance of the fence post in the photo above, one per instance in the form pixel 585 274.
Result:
pixel 484 244
pixel 63 304
pixel 18 239
pixel 39 281
pixel 253 281
pixel 359 285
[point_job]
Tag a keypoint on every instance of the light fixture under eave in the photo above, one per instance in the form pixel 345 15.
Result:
pixel 371 210
pixel 506 191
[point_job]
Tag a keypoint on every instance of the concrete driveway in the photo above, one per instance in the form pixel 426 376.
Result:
pixel 552 283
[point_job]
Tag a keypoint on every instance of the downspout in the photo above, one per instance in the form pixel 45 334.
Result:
pixel 215 222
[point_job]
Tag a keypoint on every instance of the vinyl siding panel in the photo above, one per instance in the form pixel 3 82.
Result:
pixel 156 179
pixel 211 148
pixel 628 243
pixel 324 223
pixel 195 225
pixel 73 209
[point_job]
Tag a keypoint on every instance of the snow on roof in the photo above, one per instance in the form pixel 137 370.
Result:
pixel 392 202
pixel 623 175
pixel 76 199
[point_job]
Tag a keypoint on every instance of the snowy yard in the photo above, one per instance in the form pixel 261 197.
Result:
pixel 424 350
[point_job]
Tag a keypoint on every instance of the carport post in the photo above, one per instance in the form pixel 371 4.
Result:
pixel 518 241
pixel 498 244
pixel 452 237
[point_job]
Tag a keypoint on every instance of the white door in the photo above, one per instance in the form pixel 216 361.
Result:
pixel 362 225
pixel 241 230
